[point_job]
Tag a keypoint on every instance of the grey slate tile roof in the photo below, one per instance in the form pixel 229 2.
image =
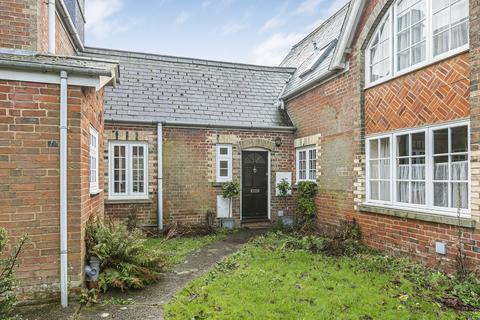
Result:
pixel 172 89
pixel 303 54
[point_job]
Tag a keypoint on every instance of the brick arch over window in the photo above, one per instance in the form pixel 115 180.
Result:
pixel 256 143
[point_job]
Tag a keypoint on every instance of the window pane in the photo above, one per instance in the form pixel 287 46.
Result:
pixel 418 53
pixel 459 12
pixel 459 35
pixel 223 168
pixel 440 141
pixel 403 146
pixel 374 169
pixel 403 21
pixel 460 167
pixel 459 139
pixel 119 169
pixel 441 21
pixel 402 191
pixel 460 195
pixel 439 5
pixel 418 144
pixel 418 193
pixel 440 168
pixel 384 169
pixel 385 191
pixel 403 40
pixel 374 149
pixel 223 172
pixel 418 168
pixel 224 151
pixel 384 147
pixel 374 194
pixel 403 166
pixel 440 43
pixel 418 12
pixel 440 194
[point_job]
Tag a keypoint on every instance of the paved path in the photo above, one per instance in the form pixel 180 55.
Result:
pixel 147 303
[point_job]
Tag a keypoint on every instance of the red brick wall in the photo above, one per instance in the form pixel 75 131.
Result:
pixel 435 94
pixel 189 171
pixel 18 24
pixel 29 168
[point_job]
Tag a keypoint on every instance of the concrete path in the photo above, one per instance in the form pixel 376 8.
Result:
pixel 147 303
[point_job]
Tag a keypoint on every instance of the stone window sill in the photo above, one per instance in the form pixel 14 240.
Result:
pixel 127 201
pixel 435 218
pixel 95 192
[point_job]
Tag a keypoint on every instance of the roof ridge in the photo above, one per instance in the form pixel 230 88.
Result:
pixel 187 60
pixel 322 24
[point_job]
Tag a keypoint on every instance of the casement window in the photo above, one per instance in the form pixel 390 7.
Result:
pixel 93 160
pixel 224 163
pixel 306 164
pixel 415 33
pixel 421 169
pixel 128 170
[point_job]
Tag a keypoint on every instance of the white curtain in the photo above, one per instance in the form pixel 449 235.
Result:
pixel 440 194
pixel 418 171
pixel 460 170
pixel 441 171
pixel 418 192
pixel 402 192
pixel 459 190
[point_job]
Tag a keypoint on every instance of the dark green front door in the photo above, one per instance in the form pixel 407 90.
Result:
pixel 254 185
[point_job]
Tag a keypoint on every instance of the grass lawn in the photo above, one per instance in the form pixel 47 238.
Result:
pixel 266 281
pixel 177 249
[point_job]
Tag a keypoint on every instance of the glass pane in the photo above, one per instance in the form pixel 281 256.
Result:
pixel 374 169
pixel 440 168
pixel 441 21
pixel 440 194
pixel 374 149
pixel 385 191
pixel 403 21
pixel 403 60
pixel 418 53
pixel 440 141
pixel 459 139
pixel 418 33
pixel 224 151
pixel 384 148
pixel 223 164
pixel 402 146
pixel 374 194
pixel 402 192
pixel 223 172
pixel 418 12
pixel 459 12
pixel 418 144
pixel 403 40
pixel 459 167
pixel 418 168
pixel 384 169
pixel 459 35
pixel 418 193
pixel 440 43
pixel 440 4
pixel 403 169
pixel 460 195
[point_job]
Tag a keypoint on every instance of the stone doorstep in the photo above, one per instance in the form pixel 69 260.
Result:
pixel 415 215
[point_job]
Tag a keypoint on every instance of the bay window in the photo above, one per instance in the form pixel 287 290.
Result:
pixel 414 33
pixel 128 170
pixel 306 164
pixel 429 169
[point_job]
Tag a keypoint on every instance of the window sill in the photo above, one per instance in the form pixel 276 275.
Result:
pixel 95 192
pixel 415 215
pixel 126 200
pixel 219 184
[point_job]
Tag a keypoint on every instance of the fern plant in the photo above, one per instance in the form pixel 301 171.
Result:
pixel 125 262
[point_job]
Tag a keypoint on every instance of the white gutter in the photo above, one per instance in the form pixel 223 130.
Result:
pixel 159 176
pixel 70 25
pixel 51 26
pixel 63 191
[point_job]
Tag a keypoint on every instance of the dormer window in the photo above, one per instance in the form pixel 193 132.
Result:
pixel 415 33
pixel 319 55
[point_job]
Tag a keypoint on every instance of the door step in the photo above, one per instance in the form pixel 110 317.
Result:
pixel 256 224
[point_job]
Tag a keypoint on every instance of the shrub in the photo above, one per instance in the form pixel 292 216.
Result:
pixel 306 208
pixel 7 277
pixel 124 260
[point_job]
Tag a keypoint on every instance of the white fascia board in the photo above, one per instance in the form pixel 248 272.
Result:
pixel 52 78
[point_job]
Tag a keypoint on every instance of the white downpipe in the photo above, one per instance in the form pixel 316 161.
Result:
pixel 160 176
pixel 63 191
pixel 51 26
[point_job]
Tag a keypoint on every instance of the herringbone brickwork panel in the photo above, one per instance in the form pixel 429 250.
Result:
pixel 435 94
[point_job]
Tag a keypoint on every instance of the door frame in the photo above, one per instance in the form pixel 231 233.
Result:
pixel 268 179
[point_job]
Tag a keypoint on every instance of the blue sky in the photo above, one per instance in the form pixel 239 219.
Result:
pixel 249 31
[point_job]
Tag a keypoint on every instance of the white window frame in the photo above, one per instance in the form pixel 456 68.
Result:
pixel 224 157
pixel 428 207
pixel 94 148
pixel 307 150
pixel 430 58
pixel 128 194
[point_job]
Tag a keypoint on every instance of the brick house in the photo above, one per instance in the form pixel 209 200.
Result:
pixel 377 106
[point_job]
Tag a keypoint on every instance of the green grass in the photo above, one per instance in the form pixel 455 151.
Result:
pixel 265 281
pixel 177 249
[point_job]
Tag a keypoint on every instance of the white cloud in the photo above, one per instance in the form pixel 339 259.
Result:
pixel 182 17
pixel 101 19
pixel 233 27
pixel 275 48
pixel 308 6
pixel 272 23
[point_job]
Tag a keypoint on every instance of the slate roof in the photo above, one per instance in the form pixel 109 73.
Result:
pixel 50 63
pixel 173 89
pixel 303 54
